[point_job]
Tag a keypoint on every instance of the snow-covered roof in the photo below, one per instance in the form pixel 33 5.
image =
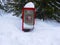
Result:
pixel 29 5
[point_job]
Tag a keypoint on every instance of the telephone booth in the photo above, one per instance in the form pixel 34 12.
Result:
pixel 28 19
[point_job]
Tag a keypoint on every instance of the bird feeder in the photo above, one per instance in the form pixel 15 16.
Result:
pixel 28 18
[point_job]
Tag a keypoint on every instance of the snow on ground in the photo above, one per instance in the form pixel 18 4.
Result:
pixel 44 33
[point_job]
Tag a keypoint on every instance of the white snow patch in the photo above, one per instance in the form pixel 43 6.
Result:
pixel 29 5
pixel 44 33
pixel 28 26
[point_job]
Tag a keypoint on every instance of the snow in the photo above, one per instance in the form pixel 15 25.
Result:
pixel 44 33
pixel 55 5
pixel 58 3
pixel 29 5
pixel 3 2
pixel 2 12
pixel 26 26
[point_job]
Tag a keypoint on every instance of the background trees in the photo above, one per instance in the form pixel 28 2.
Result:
pixel 45 9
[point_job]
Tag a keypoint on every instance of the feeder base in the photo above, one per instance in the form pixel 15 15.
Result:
pixel 26 30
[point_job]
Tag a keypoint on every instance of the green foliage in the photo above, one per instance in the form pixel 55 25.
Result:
pixel 48 8
pixel 1 7
pixel 45 9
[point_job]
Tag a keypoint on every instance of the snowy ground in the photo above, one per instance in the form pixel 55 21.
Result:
pixel 45 33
